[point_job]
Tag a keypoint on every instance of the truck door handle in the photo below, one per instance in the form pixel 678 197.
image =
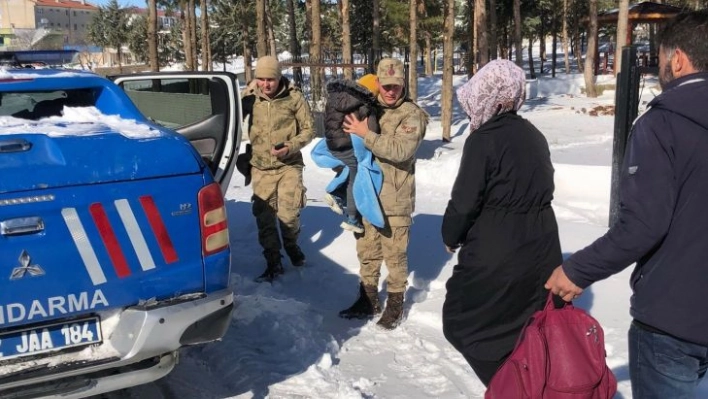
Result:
pixel 15 145
pixel 19 226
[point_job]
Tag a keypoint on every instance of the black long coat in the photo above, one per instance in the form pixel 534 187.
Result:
pixel 501 217
pixel 345 97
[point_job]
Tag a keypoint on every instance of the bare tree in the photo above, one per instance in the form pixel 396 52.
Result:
pixel 152 35
pixel 481 33
pixel 346 38
pixel 532 68
pixel 428 50
pixel 316 52
pixel 376 40
pixel 247 65
pixel 622 34
pixel 517 33
pixel 261 45
pixel 448 38
pixel 566 51
pixel 206 61
pixel 192 15
pixel 269 29
pixel 294 43
pixel 591 52
pixel 413 52
pixel 472 51
pixel 493 41
pixel 186 36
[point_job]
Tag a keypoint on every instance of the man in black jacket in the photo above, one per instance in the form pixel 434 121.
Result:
pixel 662 224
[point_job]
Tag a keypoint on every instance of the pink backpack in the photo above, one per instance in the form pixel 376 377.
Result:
pixel 560 354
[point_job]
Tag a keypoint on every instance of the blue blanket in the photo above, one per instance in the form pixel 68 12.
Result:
pixel 368 181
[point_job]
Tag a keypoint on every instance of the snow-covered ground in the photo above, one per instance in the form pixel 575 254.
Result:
pixel 286 341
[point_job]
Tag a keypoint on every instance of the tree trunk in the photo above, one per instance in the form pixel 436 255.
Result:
pixel 622 19
pixel 481 32
pixel 448 39
pixel 472 48
pixel 517 33
pixel 152 36
pixel 261 43
pixel 554 32
pixel 269 30
pixel 294 44
pixel 542 46
pixel 566 51
pixel 413 44
pixel 575 43
pixel 316 54
pixel 591 52
pixel 346 38
pixel 247 65
pixel 532 71
pixel 428 52
pixel 206 61
pixel 186 36
pixel 493 40
pixel 376 40
pixel 192 14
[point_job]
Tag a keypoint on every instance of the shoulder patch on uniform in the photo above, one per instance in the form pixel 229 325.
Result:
pixel 410 129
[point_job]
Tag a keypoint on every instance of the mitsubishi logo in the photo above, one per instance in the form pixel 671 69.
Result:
pixel 26 267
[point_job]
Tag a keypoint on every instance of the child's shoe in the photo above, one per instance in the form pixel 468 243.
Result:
pixel 335 203
pixel 352 224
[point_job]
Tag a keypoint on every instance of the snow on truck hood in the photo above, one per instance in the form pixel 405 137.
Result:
pixel 78 121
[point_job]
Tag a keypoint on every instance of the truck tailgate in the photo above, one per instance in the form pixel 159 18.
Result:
pixel 75 250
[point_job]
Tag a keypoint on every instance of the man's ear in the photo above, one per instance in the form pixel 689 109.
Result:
pixel 680 64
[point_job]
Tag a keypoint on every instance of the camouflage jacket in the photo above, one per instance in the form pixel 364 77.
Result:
pixel 285 118
pixel 402 130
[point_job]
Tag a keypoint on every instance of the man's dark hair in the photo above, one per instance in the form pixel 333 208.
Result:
pixel 687 31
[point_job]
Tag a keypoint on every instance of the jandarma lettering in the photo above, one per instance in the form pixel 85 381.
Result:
pixel 52 306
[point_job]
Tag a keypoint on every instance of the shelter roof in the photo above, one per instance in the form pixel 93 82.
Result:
pixel 643 12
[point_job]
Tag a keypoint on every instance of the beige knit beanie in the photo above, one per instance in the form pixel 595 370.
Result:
pixel 268 67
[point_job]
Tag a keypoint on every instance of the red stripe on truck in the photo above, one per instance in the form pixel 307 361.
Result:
pixel 109 239
pixel 159 229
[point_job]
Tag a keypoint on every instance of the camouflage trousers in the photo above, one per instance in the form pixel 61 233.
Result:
pixel 375 246
pixel 278 195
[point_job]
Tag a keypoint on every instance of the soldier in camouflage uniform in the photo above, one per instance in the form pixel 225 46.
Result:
pixel 280 125
pixel 403 126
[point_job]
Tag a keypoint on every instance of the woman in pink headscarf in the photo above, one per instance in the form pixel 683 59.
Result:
pixel 500 218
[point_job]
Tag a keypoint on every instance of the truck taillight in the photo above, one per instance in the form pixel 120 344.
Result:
pixel 212 217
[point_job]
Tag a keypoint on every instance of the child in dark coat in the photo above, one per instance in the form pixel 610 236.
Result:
pixel 346 97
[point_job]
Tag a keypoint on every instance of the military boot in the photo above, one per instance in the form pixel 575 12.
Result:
pixel 366 306
pixel 393 314
pixel 273 268
pixel 297 258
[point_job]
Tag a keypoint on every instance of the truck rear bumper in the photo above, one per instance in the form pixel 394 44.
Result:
pixel 144 347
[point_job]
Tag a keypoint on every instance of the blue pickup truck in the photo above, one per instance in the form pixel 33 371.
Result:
pixel 114 246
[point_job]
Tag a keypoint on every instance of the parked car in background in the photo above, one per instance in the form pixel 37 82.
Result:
pixel 115 249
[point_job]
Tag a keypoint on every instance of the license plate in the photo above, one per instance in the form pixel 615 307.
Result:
pixel 50 337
